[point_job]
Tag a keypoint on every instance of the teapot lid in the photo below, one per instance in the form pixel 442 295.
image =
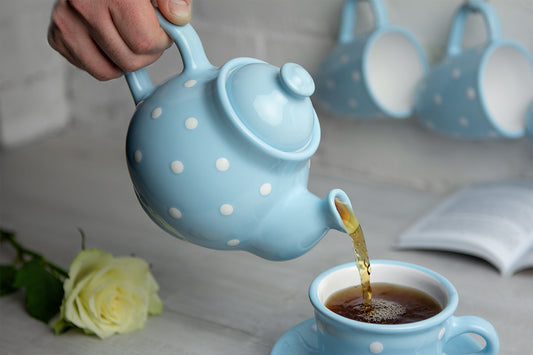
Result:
pixel 272 103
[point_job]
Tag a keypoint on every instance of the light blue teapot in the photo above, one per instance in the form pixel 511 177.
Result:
pixel 220 157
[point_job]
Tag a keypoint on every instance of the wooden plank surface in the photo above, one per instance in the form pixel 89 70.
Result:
pixel 215 302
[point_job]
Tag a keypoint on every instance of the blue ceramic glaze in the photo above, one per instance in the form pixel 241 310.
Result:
pixel 274 104
pixel 346 80
pixel 302 340
pixel 339 335
pixel 452 99
pixel 220 157
pixel 529 121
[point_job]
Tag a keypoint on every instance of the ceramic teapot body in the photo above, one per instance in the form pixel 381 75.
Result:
pixel 206 175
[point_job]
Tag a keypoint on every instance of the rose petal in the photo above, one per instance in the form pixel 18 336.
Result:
pixel 87 261
pixel 106 295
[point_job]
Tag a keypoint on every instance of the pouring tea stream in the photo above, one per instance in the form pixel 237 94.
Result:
pixel 220 156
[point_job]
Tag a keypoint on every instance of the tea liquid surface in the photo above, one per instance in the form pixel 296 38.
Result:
pixel 391 304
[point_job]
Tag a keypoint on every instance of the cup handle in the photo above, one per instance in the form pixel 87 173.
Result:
pixel 457 29
pixel 472 324
pixel 529 121
pixel 192 54
pixel 349 15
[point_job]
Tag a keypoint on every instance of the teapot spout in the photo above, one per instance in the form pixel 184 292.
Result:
pixel 297 224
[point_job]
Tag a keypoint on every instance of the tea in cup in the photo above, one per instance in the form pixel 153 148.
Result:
pixel 337 334
pixel 390 304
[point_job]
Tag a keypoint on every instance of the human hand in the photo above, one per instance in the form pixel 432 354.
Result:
pixel 109 37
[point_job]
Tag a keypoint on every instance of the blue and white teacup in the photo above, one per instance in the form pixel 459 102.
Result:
pixel 479 92
pixel 373 75
pixel 339 335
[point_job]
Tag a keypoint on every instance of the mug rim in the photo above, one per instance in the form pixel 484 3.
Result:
pixel 370 41
pixel 485 56
pixel 446 312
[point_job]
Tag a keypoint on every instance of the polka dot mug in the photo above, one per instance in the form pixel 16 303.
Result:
pixel 480 92
pixel 220 156
pixel 529 121
pixel 372 75
pixel 339 335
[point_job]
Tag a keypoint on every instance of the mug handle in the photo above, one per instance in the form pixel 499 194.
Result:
pixel 349 15
pixel 529 121
pixel 457 30
pixel 192 54
pixel 472 324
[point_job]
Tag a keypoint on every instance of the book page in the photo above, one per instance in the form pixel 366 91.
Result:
pixel 493 221
pixel 525 261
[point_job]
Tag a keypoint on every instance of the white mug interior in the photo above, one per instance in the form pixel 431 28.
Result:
pixel 394 65
pixel 507 87
pixel 384 273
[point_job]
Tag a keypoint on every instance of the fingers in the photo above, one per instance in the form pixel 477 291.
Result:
pixel 137 25
pixel 69 36
pixel 176 11
pixel 126 31
pixel 106 37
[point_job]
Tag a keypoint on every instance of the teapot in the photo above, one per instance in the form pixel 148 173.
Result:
pixel 220 157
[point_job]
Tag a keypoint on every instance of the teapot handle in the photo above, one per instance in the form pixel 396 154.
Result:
pixel 349 16
pixel 192 54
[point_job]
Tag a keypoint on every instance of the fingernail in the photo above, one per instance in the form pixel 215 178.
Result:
pixel 180 9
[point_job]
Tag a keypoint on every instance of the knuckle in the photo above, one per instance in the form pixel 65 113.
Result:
pixel 143 45
pixel 132 66
pixel 78 5
pixel 106 75
pixel 58 21
pixel 138 62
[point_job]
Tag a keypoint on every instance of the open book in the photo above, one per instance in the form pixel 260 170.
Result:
pixel 493 221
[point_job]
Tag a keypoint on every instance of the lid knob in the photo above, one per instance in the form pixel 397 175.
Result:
pixel 296 80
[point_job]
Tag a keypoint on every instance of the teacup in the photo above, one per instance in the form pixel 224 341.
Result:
pixel 479 92
pixel 339 335
pixel 372 75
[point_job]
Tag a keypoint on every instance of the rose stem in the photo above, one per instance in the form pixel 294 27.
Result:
pixel 21 250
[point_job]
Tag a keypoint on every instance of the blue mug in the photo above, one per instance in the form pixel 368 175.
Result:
pixel 479 92
pixel 529 121
pixel 339 335
pixel 373 75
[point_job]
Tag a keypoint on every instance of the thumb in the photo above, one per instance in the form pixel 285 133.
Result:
pixel 176 11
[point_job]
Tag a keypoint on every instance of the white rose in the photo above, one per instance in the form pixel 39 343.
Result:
pixel 106 295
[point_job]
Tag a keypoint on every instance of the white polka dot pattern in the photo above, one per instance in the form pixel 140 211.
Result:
pixel 157 112
pixel 191 123
pixel 174 213
pixel 189 83
pixel 233 242
pixel 138 156
pixel 376 347
pixel 441 333
pixel 226 209
pixel 177 167
pixel 222 164
pixel 265 189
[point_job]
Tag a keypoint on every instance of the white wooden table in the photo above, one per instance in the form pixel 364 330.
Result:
pixel 214 302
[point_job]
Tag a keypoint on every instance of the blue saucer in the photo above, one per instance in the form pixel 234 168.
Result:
pixel 302 340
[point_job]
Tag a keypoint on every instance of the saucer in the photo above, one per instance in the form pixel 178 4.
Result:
pixel 302 340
